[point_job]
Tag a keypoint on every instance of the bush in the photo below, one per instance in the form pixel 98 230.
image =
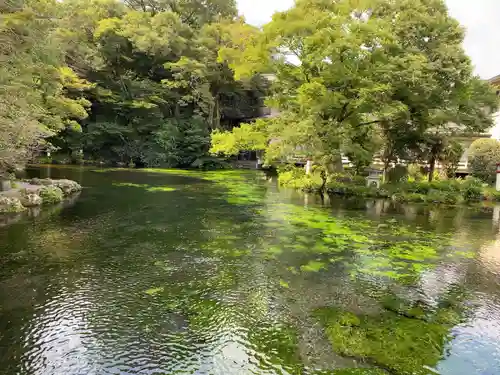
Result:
pixel 51 194
pixel 415 172
pixel 484 154
pixel 397 174
pixel 209 163
pixel 296 178
pixel 491 194
pixel 415 187
pixel 350 190
pixel 472 189
pixel 446 185
pixel 414 197
pixel 310 184
pixel 436 196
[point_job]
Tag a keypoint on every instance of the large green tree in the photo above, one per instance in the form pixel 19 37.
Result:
pixel 356 76
pixel 157 85
pixel 39 95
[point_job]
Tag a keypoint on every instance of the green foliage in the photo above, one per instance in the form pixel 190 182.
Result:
pixel 364 80
pixel 472 189
pixel 451 158
pixel 444 197
pixel 244 138
pixel 491 194
pixel 484 154
pixel 296 178
pixel 151 75
pixel 208 163
pixel 51 194
pixel 39 95
pixel 404 345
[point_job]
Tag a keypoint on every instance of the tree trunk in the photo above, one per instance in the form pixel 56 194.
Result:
pixel 308 167
pixel 432 167
pixel 387 163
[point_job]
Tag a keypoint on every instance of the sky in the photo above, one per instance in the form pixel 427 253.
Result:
pixel 479 17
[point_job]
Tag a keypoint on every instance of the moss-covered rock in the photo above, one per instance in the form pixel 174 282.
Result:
pixel 51 194
pixel 68 187
pixel 30 199
pixel 10 204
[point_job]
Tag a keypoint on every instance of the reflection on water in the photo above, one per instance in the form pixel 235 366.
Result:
pixel 170 272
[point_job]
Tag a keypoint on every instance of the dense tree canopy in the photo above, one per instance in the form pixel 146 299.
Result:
pixel 134 81
pixel 147 81
pixel 357 77
pixel 39 95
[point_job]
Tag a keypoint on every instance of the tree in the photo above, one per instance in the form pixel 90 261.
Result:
pixel 450 157
pixel 443 98
pixel 484 154
pixel 350 73
pixel 156 83
pixel 39 96
pixel 195 13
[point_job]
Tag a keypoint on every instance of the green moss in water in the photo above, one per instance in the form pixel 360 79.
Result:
pixel 352 371
pixel 402 345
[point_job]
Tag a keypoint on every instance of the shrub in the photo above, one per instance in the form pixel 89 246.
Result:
pixel 472 189
pixel 397 174
pixel 296 178
pixel 209 163
pixel 415 172
pixel 340 188
pixel 415 187
pixel 484 154
pixel 445 197
pixel 310 184
pixel 359 180
pixel 51 194
pixel 446 185
pixel 491 194
pixel 414 197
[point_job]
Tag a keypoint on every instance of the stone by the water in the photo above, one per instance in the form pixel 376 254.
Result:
pixel 10 205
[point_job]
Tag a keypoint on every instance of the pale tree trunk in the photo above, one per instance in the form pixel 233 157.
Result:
pixel 308 167
pixel 387 164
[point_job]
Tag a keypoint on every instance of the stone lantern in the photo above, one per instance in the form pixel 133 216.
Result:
pixel 373 178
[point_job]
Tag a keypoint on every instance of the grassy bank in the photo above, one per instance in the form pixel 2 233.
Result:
pixel 451 191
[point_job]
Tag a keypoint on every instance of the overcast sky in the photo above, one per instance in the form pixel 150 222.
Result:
pixel 480 18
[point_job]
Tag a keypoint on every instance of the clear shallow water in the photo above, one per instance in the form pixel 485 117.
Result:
pixel 222 273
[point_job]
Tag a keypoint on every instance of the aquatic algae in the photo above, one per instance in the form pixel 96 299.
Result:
pixel 400 344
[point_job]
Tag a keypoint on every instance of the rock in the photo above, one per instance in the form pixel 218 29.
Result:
pixel 5 185
pixel 10 204
pixel 35 181
pixel 51 194
pixel 67 186
pixel 30 199
pixel 47 182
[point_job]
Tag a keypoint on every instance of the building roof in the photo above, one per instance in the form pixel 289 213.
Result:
pixel 495 80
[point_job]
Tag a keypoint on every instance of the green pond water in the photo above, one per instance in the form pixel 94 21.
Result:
pixel 172 272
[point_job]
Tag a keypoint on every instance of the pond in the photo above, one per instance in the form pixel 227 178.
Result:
pixel 175 272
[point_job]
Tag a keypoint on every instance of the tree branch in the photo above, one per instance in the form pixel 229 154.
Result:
pixel 368 123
